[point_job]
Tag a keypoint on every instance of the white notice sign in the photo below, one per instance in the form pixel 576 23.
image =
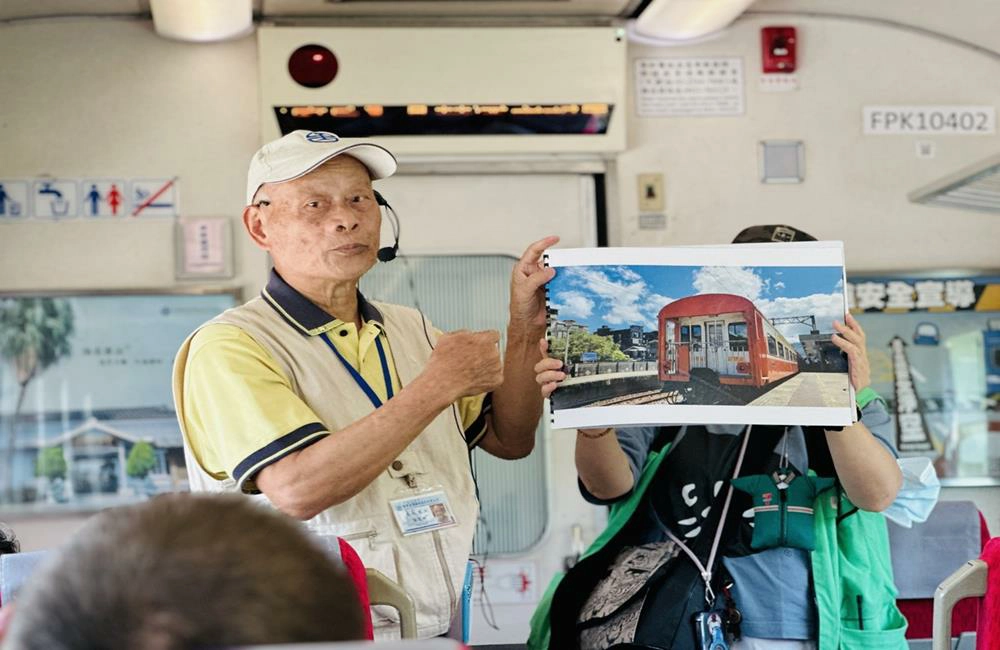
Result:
pixel 924 120
pixel 205 246
pixel 689 86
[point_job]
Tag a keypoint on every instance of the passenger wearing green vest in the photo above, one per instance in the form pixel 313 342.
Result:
pixel 642 583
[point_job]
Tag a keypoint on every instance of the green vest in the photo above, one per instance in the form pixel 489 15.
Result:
pixel 852 574
pixel 850 565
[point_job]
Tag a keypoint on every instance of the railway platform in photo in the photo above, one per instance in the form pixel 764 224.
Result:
pixel 807 389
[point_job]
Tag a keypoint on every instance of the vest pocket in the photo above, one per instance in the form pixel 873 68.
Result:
pixel 861 627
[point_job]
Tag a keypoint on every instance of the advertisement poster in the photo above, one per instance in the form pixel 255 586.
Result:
pixel 934 346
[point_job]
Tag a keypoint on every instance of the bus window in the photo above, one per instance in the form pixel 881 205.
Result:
pixel 696 337
pixel 772 346
pixel 685 334
pixel 738 337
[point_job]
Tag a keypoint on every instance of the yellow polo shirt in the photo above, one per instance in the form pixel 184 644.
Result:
pixel 242 411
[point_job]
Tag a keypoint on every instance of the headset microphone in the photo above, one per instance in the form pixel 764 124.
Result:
pixel 388 253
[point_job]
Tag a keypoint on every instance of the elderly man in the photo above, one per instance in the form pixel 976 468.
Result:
pixel 354 415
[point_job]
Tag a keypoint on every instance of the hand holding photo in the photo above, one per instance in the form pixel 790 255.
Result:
pixel 737 334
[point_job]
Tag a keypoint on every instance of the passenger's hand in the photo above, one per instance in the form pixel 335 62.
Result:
pixel 851 339
pixel 527 298
pixel 466 363
pixel 548 371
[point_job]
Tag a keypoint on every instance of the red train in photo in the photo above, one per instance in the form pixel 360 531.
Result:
pixel 723 334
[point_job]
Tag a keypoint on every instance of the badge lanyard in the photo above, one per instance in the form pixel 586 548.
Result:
pixel 706 569
pixel 356 376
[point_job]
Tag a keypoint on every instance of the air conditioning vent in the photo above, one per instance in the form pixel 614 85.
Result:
pixel 976 187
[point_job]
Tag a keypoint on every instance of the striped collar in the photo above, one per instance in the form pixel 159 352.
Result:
pixel 301 313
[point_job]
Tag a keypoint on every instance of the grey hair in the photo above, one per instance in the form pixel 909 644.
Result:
pixel 185 571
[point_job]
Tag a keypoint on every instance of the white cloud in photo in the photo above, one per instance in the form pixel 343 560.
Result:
pixel 779 285
pixel 736 280
pixel 826 307
pixel 573 304
pixel 628 274
pixel 618 295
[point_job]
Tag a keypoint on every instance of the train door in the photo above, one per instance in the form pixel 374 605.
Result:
pixel 715 346
pixel 697 345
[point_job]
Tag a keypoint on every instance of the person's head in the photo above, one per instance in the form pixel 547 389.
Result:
pixel 186 571
pixel 311 205
pixel 8 543
pixel 763 234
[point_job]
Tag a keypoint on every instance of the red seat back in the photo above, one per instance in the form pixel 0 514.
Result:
pixel 988 630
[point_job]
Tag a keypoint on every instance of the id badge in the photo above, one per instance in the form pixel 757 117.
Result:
pixel 423 512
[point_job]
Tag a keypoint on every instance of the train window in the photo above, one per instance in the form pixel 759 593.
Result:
pixel 472 292
pixel 696 337
pixel 772 346
pixel 685 334
pixel 738 337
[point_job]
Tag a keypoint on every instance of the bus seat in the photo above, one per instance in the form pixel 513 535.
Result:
pixel 383 591
pixel 356 570
pixel 979 578
pixel 924 555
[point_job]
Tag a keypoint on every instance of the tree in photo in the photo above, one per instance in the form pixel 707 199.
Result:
pixel 141 460
pixel 51 464
pixel 34 334
pixel 579 342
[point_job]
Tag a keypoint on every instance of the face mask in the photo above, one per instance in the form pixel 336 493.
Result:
pixel 918 495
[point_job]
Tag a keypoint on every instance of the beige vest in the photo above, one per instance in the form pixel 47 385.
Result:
pixel 430 566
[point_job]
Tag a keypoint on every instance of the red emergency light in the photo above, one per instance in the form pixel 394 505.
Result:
pixel 777 49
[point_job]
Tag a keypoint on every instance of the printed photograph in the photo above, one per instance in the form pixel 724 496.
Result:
pixel 86 410
pixel 739 334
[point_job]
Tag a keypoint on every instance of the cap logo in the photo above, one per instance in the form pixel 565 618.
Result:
pixel 321 136
pixel 782 234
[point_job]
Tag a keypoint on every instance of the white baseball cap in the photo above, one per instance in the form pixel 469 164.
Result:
pixel 300 152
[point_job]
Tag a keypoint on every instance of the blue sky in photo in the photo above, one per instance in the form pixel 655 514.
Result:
pixel 619 296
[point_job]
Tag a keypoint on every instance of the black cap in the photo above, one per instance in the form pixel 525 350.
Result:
pixel 757 234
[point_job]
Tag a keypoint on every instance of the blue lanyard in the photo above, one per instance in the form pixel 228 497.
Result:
pixel 358 379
